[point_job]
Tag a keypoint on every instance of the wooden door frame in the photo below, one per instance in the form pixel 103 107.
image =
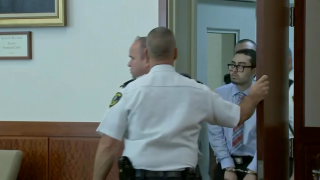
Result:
pixel 299 100
pixel 173 15
pixel 163 14
pixel 272 113
pixel 304 136
pixel 306 139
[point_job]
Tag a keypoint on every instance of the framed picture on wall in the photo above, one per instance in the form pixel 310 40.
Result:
pixel 32 13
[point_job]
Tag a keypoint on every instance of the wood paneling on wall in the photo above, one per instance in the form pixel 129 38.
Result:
pixel 35 155
pixel 54 150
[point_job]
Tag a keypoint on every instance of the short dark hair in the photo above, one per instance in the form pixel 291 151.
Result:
pixel 227 79
pixel 251 53
pixel 161 43
pixel 289 52
pixel 246 40
pixel 143 45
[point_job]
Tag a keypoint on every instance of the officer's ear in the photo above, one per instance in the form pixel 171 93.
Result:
pixel 175 53
pixel 146 53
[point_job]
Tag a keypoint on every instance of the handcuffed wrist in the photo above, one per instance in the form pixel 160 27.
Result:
pixel 233 169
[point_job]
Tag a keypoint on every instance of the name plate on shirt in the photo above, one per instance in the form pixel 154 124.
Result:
pixel 15 45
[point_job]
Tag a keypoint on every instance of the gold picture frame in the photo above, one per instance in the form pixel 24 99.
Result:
pixel 52 19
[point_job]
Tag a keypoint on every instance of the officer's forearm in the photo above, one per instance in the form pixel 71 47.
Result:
pixel 104 160
pixel 247 108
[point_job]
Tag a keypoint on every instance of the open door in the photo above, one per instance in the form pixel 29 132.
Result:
pixel 273 43
pixel 272 113
pixel 272 22
pixel 306 90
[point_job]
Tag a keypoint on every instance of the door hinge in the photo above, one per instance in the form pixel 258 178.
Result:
pixel 260 170
pixel 291 17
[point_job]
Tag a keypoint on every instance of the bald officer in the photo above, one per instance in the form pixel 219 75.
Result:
pixel 138 63
pixel 159 114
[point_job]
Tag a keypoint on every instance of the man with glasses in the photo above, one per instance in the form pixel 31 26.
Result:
pixel 235 148
pixel 242 44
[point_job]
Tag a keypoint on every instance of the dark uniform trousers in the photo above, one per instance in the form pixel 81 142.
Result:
pixel 160 178
pixel 169 175
pixel 172 175
pixel 246 160
pixel 291 157
pixel 290 167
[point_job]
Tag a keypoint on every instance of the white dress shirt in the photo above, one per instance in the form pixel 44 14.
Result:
pixel 291 75
pixel 159 118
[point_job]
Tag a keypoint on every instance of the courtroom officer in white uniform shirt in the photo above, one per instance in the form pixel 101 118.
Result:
pixel 291 109
pixel 159 114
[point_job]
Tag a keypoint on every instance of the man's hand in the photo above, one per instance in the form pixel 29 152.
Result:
pixel 250 177
pixel 258 92
pixel 229 175
pixel 260 89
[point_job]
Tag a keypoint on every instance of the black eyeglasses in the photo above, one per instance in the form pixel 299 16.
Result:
pixel 239 68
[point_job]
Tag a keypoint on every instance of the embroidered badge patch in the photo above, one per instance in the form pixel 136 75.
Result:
pixel 115 99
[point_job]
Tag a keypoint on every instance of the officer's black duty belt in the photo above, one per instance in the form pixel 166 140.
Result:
pixel 170 174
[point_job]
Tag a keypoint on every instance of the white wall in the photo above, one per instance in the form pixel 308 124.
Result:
pixel 220 51
pixel 214 49
pixel 77 69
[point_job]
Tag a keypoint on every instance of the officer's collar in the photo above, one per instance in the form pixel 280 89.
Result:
pixel 162 67
pixel 139 77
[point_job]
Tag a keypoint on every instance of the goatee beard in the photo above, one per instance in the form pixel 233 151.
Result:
pixel 237 83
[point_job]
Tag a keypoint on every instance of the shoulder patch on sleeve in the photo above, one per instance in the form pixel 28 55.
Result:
pixel 126 83
pixel 116 98
pixel 292 99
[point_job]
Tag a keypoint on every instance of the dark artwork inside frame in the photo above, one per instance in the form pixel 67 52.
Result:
pixel 27 6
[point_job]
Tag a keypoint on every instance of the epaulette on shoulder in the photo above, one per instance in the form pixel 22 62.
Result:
pixel 187 76
pixel 126 83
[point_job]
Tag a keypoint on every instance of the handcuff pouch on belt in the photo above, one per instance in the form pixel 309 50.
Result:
pixel 192 174
pixel 291 147
pixel 291 142
pixel 126 170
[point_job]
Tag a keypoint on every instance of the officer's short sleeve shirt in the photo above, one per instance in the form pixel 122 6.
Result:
pixel 159 118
